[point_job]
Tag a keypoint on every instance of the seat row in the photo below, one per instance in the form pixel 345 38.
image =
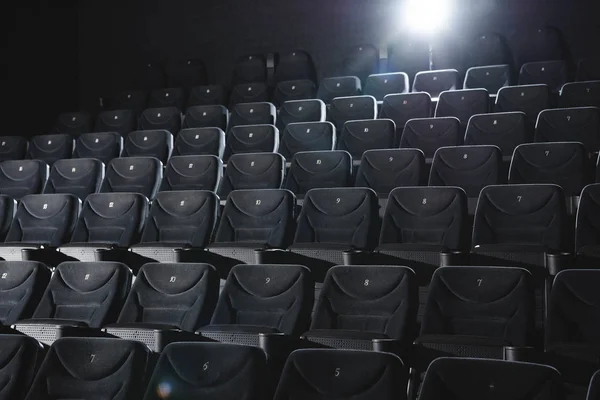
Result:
pixel 72 368
pixel 488 312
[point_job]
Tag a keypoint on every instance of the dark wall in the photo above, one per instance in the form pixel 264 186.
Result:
pixel 39 66
pixel 116 34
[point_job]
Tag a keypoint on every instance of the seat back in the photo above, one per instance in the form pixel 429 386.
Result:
pixel 213 116
pixel 13 148
pixel 251 139
pixel 371 299
pixel 21 289
pixel 319 169
pixel 342 374
pixel 436 82
pixel 530 99
pixel 133 175
pixel 344 109
pixel 253 171
pixel 307 136
pixel 111 218
pixel 279 297
pixel 294 90
pixel 45 219
pixel 490 78
pixel 134 100
pixel 18 178
pixel 384 170
pixel 362 135
pixel 580 94
pixel 20 355
pixel 581 124
pixel 401 108
pixel 103 146
pixel 192 173
pixel 185 73
pixel 429 134
pixel 587 226
pixel 89 292
pixel 118 121
pixel 79 177
pixel 257 113
pixel 168 118
pixel 73 123
pixel 296 64
pixel 561 163
pixel 496 303
pixel 463 104
pixel 117 367
pixel 248 93
pixel 185 218
pixel 157 144
pixel 467 378
pixel 250 68
pixel 330 88
pixel 505 130
pixel 207 95
pixel 170 97
pixel 176 295
pixel 49 148
pixel 245 367
pixel 341 216
pixel 551 73
pixel 264 217
pixel 360 61
pixel 381 85
pixel 200 141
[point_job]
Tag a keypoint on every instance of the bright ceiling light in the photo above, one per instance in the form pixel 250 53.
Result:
pixel 426 17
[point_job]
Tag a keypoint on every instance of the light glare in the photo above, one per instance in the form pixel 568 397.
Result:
pixel 426 17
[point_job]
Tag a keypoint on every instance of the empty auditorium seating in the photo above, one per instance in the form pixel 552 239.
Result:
pixel 401 108
pixel 429 134
pixel 207 96
pixel 294 90
pixel 307 136
pixel 134 100
pixel 252 114
pixel 215 116
pixel 491 78
pixel 253 171
pixel 106 367
pixel 49 148
pixel 343 375
pixel 244 366
pixel 344 109
pixel 587 231
pixel 80 177
pixel 249 69
pixel 486 49
pixel 587 69
pixel 107 221
pixel 485 309
pixel 342 86
pixel 463 104
pixel 358 136
pixel 21 289
pixel 335 221
pixel 200 141
pixel 360 61
pixel 248 93
pixel 436 82
pixel 530 99
pixel 478 378
pixel 318 169
pixel 19 178
pixel 524 224
pixel 165 300
pixel 42 220
pixel 384 170
pixel 580 124
pixel 381 85
pixel 168 118
pixel 20 357
pixel 185 73
pixel 103 146
pixel 73 123
pixel 366 308
pixel 251 139
pixel 551 73
pixel 295 65
pixel 561 163
pixel 301 111
pixel 157 144
pixel 13 147
pixel 178 221
pixel 469 167
pixel 192 173
pixel 79 295
pixel 119 121
pixel 253 220
pixel 573 324
pixel 506 130
pixel 580 94
pixel 172 97
pixel 262 299
pixel 133 175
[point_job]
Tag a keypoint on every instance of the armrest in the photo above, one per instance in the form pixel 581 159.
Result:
pixel 524 354
pixel 556 262
pixel 155 336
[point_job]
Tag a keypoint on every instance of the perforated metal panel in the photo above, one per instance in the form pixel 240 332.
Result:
pixel 146 336
pixel 80 253
pixel 458 350
pixel 245 255
pixel 348 344
pixel 157 253
pixel 46 334
pixel 246 339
